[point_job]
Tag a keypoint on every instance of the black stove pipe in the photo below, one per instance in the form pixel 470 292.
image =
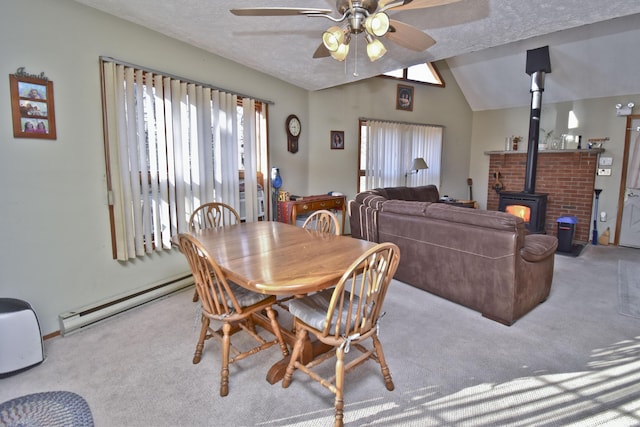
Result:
pixel 538 64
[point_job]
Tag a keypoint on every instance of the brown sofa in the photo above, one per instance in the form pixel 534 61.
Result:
pixel 484 260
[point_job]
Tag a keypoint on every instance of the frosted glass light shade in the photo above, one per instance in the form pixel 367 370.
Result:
pixel 375 49
pixel 377 24
pixel 341 53
pixel 333 38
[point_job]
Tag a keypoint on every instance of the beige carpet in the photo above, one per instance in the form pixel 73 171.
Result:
pixel 574 360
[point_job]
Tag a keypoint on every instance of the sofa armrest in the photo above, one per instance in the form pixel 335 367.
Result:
pixel 538 247
pixel 363 219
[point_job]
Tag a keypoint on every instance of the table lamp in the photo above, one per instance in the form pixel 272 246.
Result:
pixel 418 164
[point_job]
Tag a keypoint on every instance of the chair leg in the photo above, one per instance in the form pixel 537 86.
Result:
pixel 224 372
pixel 276 330
pixel 383 363
pixel 195 296
pixel 203 335
pixel 339 384
pixel 301 335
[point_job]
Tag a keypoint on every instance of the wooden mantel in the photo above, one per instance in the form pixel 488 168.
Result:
pixel 587 151
pixel 567 176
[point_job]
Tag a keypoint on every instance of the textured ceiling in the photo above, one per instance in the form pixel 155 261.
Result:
pixel 483 41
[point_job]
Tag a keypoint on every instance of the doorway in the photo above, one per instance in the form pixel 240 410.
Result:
pixel 628 231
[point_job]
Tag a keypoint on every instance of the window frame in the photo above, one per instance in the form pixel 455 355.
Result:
pixel 434 163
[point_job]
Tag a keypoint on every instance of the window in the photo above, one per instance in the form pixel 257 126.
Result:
pixel 387 150
pixel 170 146
pixel 426 73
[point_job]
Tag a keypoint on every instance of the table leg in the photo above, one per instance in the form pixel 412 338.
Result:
pixel 309 351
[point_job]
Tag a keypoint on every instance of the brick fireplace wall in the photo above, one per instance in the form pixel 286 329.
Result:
pixel 568 177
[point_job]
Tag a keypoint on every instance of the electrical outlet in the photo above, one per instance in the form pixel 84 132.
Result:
pixel 604 172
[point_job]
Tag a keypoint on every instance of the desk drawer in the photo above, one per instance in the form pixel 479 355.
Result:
pixel 321 204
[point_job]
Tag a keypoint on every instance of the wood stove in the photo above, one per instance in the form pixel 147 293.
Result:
pixel 531 207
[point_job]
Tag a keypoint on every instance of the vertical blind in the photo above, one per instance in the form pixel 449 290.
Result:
pixel 172 145
pixel 389 150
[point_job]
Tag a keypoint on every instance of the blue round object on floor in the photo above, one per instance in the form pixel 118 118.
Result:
pixel 52 408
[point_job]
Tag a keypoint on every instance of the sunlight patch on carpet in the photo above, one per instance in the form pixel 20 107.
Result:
pixel 629 288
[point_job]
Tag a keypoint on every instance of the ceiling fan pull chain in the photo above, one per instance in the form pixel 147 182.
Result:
pixel 355 59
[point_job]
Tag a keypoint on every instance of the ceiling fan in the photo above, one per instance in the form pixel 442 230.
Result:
pixel 359 16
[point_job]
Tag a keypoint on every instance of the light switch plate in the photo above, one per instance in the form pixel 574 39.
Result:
pixel 604 172
pixel 606 161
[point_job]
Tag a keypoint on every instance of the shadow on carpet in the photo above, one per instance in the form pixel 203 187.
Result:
pixel 629 288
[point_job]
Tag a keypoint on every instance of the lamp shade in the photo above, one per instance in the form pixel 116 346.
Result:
pixel 419 163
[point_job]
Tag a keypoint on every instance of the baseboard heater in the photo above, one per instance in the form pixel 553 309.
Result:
pixel 76 319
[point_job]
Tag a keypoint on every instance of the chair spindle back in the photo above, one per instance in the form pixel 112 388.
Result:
pixel 357 298
pixel 211 284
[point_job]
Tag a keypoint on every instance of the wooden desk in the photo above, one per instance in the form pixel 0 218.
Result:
pixel 289 210
pixel 281 259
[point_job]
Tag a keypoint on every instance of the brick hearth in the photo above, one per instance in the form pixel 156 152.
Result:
pixel 567 176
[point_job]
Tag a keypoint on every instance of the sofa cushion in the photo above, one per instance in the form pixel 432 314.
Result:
pixel 405 207
pixel 481 218
pixel 425 193
pixel 487 219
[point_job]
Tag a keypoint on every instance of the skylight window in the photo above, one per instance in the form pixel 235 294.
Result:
pixel 421 73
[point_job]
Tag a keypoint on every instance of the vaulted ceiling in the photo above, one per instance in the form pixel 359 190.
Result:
pixel 591 42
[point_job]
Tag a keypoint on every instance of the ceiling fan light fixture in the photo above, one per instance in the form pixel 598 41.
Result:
pixel 333 38
pixel 375 48
pixel 377 24
pixel 341 53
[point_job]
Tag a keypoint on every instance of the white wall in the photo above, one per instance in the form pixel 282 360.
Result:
pixel 340 108
pixel 597 119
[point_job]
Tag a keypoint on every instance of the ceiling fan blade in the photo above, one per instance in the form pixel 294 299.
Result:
pixel 409 36
pixel 414 4
pixel 389 4
pixel 278 11
pixel 321 52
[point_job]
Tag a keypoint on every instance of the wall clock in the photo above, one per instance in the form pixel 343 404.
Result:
pixel 293 128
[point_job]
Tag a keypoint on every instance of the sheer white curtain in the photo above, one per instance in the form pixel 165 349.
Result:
pixel 250 131
pixel 171 146
pixel 390 148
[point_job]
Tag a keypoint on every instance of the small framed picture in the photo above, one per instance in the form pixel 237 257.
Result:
pixel 404 98
pixel 32 107
pixel 337 140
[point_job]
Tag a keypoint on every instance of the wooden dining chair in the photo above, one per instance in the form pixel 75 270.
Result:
pixel 343 318
pixel 212 215
pixel 324 221
pixel 228 304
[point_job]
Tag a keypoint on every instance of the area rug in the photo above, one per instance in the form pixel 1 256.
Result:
pixel 52 408
pixel 629 288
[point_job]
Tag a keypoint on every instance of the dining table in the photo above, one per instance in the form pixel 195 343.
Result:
pixel 281 259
